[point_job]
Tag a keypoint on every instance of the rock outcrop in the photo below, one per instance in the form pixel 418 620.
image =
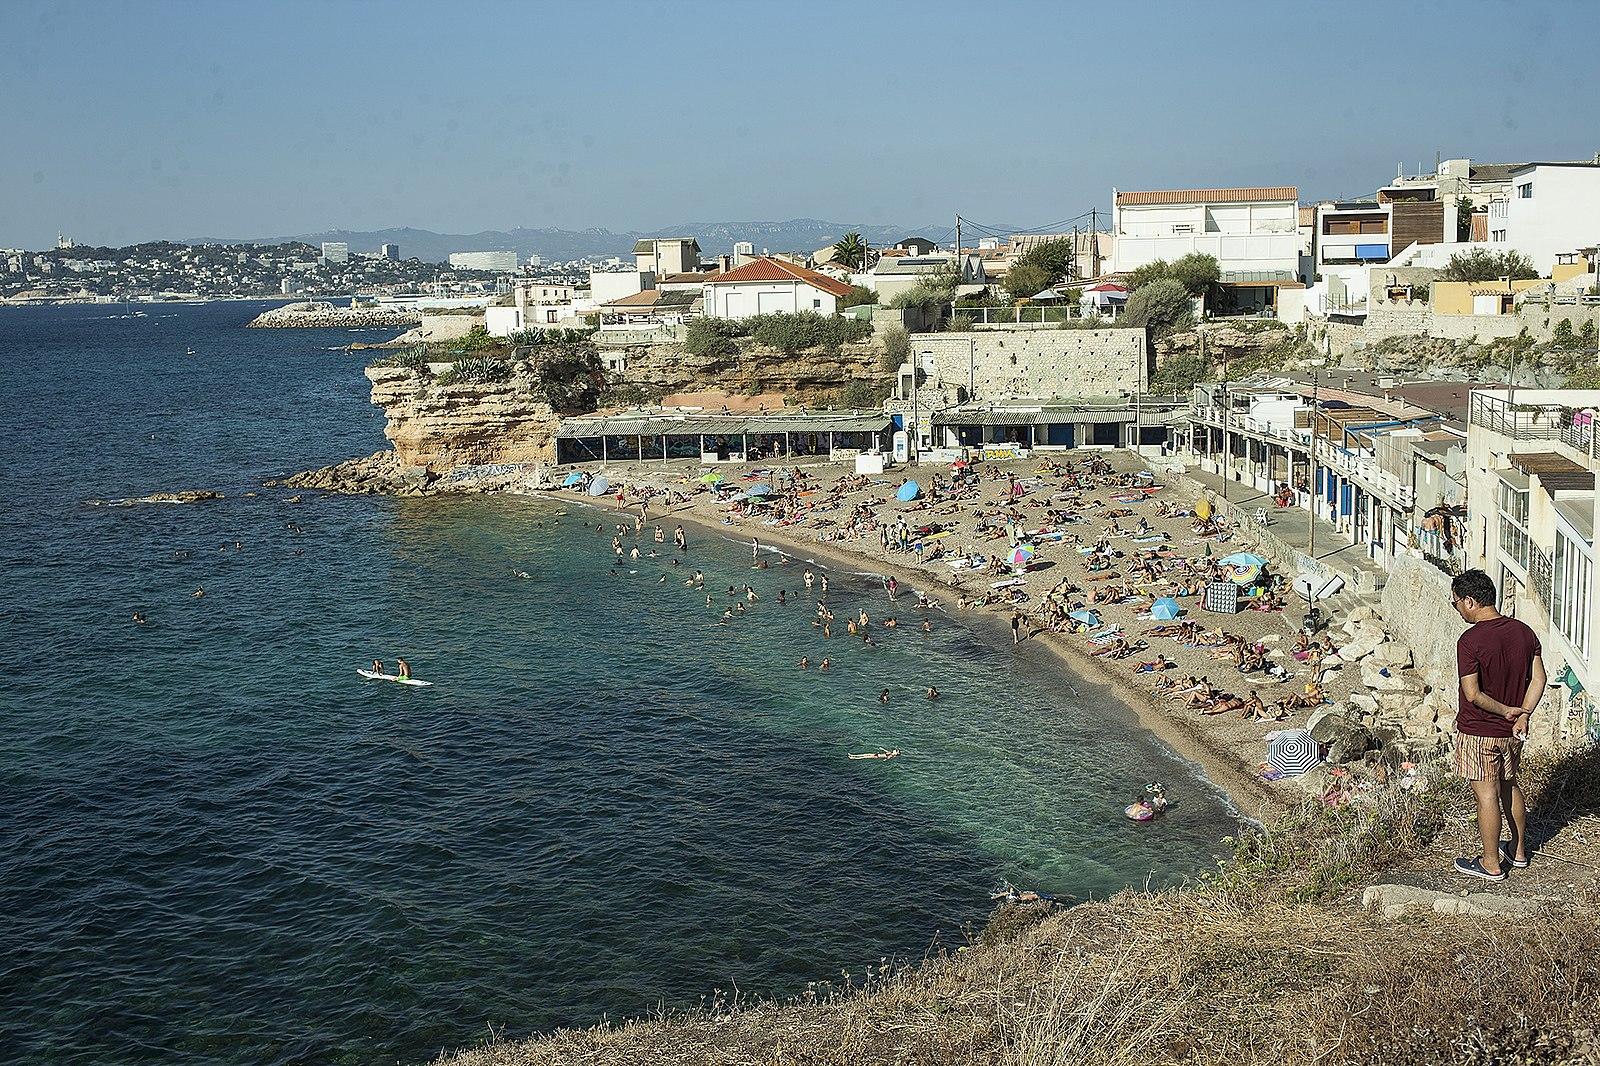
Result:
pixel 803 377
pixel 186 496
pixel 319 314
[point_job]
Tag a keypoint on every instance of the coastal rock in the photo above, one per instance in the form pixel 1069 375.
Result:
pixel 1393 654
pixel 1395 901
pixel 187 496
pixel 446 426
pixel 320 314
pixel 1383 679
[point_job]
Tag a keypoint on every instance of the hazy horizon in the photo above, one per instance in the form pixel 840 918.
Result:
pixel 153 121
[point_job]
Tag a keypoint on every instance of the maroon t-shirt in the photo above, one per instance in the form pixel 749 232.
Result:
pixel 1500 651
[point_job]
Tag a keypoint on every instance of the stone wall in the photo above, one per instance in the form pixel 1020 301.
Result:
pixel 1416 608
pixel 992 365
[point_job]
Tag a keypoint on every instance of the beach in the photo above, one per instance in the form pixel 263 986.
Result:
pixel 1229 750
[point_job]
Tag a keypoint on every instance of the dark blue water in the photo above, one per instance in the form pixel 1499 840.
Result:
pixel 218 845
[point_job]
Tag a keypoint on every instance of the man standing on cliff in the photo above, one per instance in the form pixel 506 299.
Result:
pixel 1498 661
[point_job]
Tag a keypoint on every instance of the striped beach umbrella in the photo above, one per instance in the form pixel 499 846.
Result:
pixel 1293 752
pixel 1020 556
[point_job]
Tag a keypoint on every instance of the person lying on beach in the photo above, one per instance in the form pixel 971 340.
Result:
pixel 1224 703
pixel 1150 666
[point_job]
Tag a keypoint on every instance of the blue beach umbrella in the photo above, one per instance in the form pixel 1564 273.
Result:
pixel 759 490
pixel 1245 559
pixel 571 480
pixel 1087 617
pixel 908 492
pixel 598 486
pixel 1165 609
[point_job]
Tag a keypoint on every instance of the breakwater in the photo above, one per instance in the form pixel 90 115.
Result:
pixel 317 314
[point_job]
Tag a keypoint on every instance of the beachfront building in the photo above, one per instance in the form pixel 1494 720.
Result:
pixel 1348 238
pixel 1384 469
pixel 1253 233
pixel 723 438
pixel 1015 428
pixel 335 252
pixel 1531 486
pixel 768 285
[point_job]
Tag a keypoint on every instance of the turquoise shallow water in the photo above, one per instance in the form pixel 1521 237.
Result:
pixel 219 845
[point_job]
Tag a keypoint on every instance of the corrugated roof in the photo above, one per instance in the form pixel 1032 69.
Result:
pixel 651 423
pixel 766 269
pixel 1207 196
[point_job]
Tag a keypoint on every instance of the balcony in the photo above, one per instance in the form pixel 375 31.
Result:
pixel 1541 422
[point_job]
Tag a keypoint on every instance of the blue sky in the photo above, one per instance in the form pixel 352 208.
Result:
pixel 130 121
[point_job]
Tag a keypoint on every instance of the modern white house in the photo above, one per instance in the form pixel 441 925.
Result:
pixel 608 286
pixel 767 286
pixel 1551 209
pixel 1253 233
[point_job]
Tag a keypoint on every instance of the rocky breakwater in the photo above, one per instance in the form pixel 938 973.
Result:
pixel 317 314
pixel 1392 717
pixel 450 433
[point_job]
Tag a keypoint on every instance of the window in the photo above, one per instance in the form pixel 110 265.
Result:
pixel 1514 543
pixel 816 303
pixel 1525 191
pixel 1183 227
pixel 1570 590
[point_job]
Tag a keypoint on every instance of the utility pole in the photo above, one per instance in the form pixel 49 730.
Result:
pixel 958 251
pixel 1094 242
pixel 1311 473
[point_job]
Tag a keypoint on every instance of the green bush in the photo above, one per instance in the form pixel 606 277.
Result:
pixel 931 292
pixel 1481 264
pixel 1196 272
pixel 414 359
pixel 1161 307
pixel 896 348
pixel 477 339
pixel 1179 374
pixel 858 295
pixel 1587 333
pixel 863 395
pixel 1154 270
pixel 629 394
pixel 713 336
pixel 961 323
pixel 1039 268
pixel 477 370
pixel 1562 336
pixel 570 377
pixel 805 330
pixel 535 338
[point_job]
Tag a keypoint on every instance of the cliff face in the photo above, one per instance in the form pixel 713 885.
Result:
pixel 440 427
pixel 801 376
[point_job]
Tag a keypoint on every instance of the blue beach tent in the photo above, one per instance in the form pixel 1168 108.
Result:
pixel 572 479
pixel 908 492
pixel 598 486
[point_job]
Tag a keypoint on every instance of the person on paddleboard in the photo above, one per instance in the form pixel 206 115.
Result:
pixel 377 666
pixel 403 667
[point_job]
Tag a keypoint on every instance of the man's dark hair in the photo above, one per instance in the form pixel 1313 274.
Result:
pixel 1474 585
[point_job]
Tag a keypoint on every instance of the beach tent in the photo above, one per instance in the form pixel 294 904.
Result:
pixel 758 490
pixel 1165 609
pixel 908 492
pixel 1293 752
pixel 572 479
pixel 598 486
pixel 1086 616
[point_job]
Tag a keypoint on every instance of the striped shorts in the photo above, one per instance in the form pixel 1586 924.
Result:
pixel 1484 758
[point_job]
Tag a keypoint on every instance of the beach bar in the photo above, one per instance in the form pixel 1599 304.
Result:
pixel 718 438
pixel 1060 424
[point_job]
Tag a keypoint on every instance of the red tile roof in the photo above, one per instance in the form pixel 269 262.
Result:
pixel 1207 196
pixel 777 270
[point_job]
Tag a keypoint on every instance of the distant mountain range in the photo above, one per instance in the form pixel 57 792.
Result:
pixel 795 235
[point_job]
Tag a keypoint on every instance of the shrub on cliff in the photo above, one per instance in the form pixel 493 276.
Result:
pixel 538 338
pixel 1161 307
pixel 896 348
pixel 805 330
pixel 414 359
pixel 1480 264
pixel 570 377
pixel 477 370
pixel 713 336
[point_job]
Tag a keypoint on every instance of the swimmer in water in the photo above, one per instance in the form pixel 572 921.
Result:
pixel 883 697
pixel 805 662
pixel 824 664
pixel 200 594
pixel 927 626
pixel 932 693
pixel 138 619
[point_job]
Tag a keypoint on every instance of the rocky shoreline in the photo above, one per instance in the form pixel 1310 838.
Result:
pixel 317 314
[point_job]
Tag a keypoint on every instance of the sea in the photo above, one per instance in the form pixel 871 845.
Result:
pixel 219 844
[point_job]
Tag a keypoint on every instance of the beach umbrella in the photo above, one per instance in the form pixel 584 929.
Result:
pixel 1293 752
pixel 1241 575
pixel 710 479
pixel 908 492
pixel 598 486
pixel 1202 510
pixel 572 479
pixel 1086 616
pixel 1165 609
pixel 1243 559
pixel 758 490
pixel 1020 556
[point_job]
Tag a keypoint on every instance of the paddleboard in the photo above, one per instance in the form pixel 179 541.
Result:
pixel 1009 583
pixel 370 676
pixel 940 535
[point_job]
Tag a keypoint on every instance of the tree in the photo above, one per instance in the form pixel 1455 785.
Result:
pixel 1154 270
pixel 851 250
pixel 571 377
pixel 1480 264
pixel 1161 307
pixel 858 294
pixel 1196 272
pixel 1026 280
pixel 896 348
pixel 1179 374
pixel 1463 219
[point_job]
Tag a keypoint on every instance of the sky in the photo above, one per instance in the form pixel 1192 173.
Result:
pixel 122 122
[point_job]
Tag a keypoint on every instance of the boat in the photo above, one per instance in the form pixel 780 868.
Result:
pixel 371 675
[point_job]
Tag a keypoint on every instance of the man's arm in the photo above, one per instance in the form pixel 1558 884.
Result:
pixel 1483 701
pixel 1536 682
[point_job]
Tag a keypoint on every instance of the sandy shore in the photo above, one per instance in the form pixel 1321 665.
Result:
pixel 1226 748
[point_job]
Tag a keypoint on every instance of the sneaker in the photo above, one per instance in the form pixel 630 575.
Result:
pixel 1508 858
pixel 1474 868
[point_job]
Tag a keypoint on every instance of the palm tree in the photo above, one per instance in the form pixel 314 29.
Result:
pixel 851 250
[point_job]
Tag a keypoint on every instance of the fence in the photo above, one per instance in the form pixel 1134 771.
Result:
pixel 1028 315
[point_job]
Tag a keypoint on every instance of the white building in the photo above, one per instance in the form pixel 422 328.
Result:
pixel 503 262
pixel 335 252
pixel 390 252
pixel 609 286
pixel 1253 233
pixel 667 255
pixel 1552 208
pixel 766 286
